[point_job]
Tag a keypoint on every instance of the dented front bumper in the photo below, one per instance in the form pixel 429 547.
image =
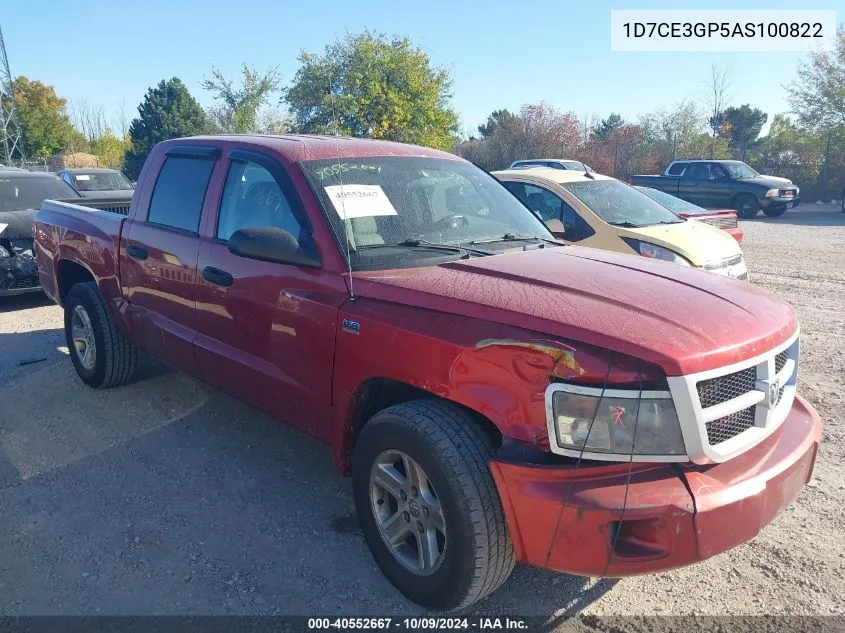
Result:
pixel 572 520
pixel 18 268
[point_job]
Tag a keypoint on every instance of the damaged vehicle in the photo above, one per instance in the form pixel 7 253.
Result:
pixel 497 396
pixel 21 195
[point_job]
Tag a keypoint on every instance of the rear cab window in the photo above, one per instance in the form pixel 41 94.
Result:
pixel 179 193
pixel 676 169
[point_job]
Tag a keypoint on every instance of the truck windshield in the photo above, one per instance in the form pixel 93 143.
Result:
pixel 618 204
pixel 102 181
pixel 738 170
pixel 404 210
pixel 18 194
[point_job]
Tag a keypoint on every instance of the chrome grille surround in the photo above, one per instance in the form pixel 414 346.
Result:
pixel 723 263
pixel 724 413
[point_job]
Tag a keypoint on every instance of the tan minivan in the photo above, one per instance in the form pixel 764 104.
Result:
pixel 589 209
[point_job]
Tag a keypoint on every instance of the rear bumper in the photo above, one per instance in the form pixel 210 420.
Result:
pixel 568 520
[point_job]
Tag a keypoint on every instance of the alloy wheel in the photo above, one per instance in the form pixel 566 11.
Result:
pixel 408 513
pixel 82 335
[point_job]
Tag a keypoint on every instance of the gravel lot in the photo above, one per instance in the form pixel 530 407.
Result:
pixel 166 497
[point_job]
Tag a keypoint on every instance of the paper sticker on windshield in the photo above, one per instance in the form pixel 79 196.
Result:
pixel 82 177
pixel 359 201
pixel 3 227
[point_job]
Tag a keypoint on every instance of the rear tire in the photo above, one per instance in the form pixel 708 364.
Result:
pixel 446 446
pixel 100 354
pixel 775 212
pixel 746 206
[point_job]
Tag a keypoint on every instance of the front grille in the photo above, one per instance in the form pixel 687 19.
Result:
pixel 119 209
pixel 721 221
pixel 717 390
pixel 725 428
pixel 780 360
pixel 724 263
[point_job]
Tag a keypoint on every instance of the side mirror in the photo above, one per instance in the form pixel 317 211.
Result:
pixel 271 244
pixel 556 227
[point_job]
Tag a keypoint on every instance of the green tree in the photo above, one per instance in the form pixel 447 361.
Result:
pixel 605 127
pixel 238 111
pixel 496 121
pixel 45 125
pixel 366 85
pixel 167 111
pixel 109 149
pixel 742 126
pixel 818 98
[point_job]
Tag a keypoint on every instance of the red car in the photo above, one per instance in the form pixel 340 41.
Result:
pixel 724 219
pixel 496 396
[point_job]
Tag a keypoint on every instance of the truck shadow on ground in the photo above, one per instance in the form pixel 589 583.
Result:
pixel 165 497
pixel 22 302
pixel 805 215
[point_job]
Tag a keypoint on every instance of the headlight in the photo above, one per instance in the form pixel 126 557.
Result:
pixel 4 253
pixel 613 424
pixel 773 193
pixel 658 252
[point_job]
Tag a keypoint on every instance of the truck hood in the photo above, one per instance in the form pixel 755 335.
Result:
pixel 698 242
pixel 682 319
pixel 781 181
pixel 767 181
pixel 16 224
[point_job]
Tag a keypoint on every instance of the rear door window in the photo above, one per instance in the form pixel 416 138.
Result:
pixel 179 192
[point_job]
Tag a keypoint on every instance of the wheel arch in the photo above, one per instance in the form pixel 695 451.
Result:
pixel 378 393
pixel 69 273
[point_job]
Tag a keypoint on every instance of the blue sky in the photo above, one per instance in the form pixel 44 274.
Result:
pixel 500 54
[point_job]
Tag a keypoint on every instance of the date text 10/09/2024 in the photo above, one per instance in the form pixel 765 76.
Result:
pixel 416 624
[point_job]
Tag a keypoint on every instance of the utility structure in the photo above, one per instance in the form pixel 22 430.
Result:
pixel 11 143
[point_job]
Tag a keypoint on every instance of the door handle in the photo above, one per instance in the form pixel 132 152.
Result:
pixel 217 276
pixel 137 252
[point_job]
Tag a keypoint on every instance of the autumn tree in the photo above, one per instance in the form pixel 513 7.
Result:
pixel 45 125
pixel 538 130
pixel 167 111
pixel 239 109
pixel 370 86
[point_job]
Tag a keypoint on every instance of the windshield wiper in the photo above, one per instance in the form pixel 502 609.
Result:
pixel 413 242
pixel 626 224
pixel 513 237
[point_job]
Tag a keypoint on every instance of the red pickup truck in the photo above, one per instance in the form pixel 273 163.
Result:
pixel 495 395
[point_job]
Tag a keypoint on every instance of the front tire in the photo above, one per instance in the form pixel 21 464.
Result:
pixel 746 206
pixel 428 505
pixel 100 354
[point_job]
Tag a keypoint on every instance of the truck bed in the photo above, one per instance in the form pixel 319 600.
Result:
pixel 80 235
pixel 669 184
